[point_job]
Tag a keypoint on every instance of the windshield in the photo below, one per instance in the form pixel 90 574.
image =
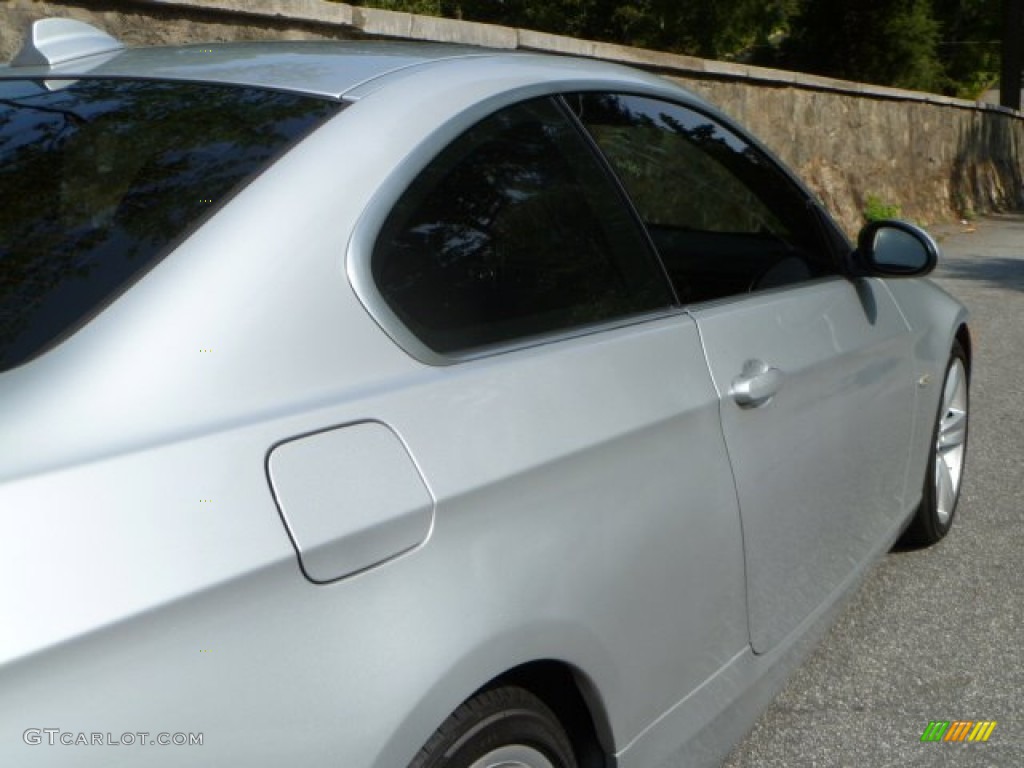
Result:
pixel 99 179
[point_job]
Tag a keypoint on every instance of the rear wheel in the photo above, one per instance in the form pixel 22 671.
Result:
pixel 502 728
pixel 945 471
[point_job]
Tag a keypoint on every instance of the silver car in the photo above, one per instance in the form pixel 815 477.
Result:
pixel 380 405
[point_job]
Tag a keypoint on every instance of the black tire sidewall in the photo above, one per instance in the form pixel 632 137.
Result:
pixel 494 719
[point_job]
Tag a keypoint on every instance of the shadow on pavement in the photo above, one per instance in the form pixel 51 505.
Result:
pixel 989 251
pixel 1000 272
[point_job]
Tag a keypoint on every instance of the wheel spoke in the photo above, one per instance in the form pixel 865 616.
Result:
pixel 951 441
pixel 953 429
pixel 954 383
pixel 945 490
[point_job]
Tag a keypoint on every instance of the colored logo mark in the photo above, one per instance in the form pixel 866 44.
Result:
pixel 958 730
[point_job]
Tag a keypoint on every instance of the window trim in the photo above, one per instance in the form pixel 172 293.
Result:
pixel 827 231
pixel 359 256
pixel 623 193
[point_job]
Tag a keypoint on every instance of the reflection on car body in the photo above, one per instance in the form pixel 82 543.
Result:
pixel 382 404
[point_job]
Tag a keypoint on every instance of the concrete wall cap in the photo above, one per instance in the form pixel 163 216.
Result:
pixel 316 11
pixel 395 24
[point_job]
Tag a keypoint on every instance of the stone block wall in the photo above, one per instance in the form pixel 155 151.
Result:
pixel 937 158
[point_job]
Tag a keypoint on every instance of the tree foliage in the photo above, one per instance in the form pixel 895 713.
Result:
pixel 939 45
pixel 868 40
pixel 970 47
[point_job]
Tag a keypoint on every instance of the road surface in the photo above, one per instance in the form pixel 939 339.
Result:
pixel 935 634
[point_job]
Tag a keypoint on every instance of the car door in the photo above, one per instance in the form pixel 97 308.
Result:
pixel 572 439
pixel 812 369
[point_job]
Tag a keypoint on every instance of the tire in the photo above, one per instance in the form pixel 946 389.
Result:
pixel 507 727
pixel 944 473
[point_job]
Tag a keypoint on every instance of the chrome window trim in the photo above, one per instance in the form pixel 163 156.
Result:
pixel 358 254
pixel 699 306
pixel 361 278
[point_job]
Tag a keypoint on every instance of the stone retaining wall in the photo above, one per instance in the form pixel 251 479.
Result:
pixel 938 158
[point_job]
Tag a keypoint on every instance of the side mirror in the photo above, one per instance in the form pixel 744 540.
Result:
pixel 895 249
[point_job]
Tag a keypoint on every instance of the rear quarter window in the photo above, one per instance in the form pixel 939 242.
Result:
pixel 514 231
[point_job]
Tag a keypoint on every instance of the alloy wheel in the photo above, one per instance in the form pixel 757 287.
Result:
pixel 951 441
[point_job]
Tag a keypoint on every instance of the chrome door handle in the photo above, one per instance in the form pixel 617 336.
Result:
pixel 756 385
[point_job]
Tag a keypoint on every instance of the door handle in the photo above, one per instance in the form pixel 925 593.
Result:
pixel 756 385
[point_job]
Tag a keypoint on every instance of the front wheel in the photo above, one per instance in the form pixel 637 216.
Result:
pixel 502 728
pixel 945 471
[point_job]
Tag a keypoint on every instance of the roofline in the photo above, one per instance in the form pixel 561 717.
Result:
pixel 83 55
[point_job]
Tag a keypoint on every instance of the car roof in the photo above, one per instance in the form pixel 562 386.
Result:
pixel 58 49
pixel 319 68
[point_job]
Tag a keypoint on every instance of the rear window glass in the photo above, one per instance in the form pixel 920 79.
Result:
pixel 101 178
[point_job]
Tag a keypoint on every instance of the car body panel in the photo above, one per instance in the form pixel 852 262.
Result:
pixel 586 487
pixel 351 498
pixel 216 378
pixel 845 401
pixel 468 577
pixel 935 320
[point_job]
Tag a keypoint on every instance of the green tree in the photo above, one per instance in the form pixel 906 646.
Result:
pixel 709 28
pixel 942 45
pixel 970 47
pixel 424 7
pixel 874 41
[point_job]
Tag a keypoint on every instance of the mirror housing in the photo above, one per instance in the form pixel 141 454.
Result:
pixel 893 248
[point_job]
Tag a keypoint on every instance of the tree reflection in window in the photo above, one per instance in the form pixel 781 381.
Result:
pixel 725 218
pixel 684 170
pixel 102 177
pixel 514 230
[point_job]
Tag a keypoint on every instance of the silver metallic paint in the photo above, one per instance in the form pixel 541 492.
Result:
pixel 586 510
pixel 351 498
pixel 326 69
pixel 845 403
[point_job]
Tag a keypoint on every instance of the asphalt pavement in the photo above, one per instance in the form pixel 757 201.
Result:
pixel 936 634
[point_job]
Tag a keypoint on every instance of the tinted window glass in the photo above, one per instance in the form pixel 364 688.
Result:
pixel 725 219
pixel 514 230
pixel 101 177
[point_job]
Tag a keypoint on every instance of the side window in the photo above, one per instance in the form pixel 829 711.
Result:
pixel 724 218
pixel 514 230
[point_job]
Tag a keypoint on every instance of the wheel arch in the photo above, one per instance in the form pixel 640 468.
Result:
pixel 562 664
pixel 575 702
pixel 963 335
